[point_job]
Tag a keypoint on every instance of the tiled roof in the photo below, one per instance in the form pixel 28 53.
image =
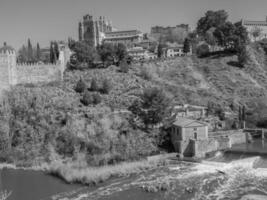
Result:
pixel 185 122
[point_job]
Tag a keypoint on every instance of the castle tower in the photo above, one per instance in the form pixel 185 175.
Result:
pixel 7 67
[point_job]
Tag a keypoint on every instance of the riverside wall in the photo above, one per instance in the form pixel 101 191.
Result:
pixel 223 140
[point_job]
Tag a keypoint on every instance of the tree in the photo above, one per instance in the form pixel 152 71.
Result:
pixel 242 55
pixel 38 52
pixel 30 51
pixel 107 53
pixel 94 87
pixel 256 32
pixel 106 86
pixel 152 106
pixel 56 51
pixel 186 48
pixel 160 50
pixel 124 67
pixel 212 19
pixel 203 50
pixel 90 98
pixel 87 98
pixel 23 54
pixel 121 52
pixel 52 55
pixel 80 86
pixel 84 52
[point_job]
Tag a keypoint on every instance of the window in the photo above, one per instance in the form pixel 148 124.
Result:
pixel 195 135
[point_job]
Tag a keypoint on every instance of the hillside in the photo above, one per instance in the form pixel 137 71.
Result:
pixel 49 121
pixel 186 80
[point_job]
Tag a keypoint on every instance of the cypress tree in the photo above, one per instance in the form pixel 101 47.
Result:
pixel 30 51
pixel 52 52
pixel 38 52
pixel 186 48
pixel 56 51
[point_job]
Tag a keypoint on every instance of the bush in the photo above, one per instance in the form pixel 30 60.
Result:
pixel 145 73
pixel 242 56
pixel 124 67
pixel 87 98
pixel 80 86
pixel 94 87
pixel 203 50
pixel 106 86
pixel 91 98
pixel 96 98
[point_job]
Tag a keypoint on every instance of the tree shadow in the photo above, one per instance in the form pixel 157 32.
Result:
pixel 219 54
pixel 234 64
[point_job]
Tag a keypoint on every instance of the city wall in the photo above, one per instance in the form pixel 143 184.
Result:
pixel 12 74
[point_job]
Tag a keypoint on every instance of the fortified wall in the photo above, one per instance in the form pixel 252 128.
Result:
pixel 12 74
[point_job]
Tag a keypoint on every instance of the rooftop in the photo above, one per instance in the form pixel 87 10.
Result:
pixel 135 32
pixel 185 122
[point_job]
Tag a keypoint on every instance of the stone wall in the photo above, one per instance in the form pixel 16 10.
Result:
pixel 37 73
pixel 12 74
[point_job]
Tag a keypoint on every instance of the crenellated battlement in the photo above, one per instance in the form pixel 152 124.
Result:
pixel 13 73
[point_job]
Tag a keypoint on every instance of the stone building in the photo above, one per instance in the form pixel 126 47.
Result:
pixel 97 31
pixel 184 131
pixel 251 25
pixel 178 33
pixel 93 30
pixel 129 37
pixel 190 111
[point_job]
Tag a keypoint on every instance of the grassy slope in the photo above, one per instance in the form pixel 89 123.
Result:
pixel 186 80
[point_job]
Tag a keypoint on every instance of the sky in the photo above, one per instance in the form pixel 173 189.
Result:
pixel 46 20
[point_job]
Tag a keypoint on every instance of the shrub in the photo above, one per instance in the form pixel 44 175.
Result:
pixel 80 86
pixel 90 98
pixel 145 73
pixel 124 67
pixel 242 56
pixel 203 50
pixel 94 86
pixel 96 98
pixel 106 86
pixel 87 98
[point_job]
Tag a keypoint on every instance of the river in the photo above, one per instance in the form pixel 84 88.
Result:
pixel 227 175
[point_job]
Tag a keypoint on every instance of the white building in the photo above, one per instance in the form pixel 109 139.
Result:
pixel 252 25
pixel 175 51
pixel 138 53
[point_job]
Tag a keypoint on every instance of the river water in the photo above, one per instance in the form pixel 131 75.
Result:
pixel 225 176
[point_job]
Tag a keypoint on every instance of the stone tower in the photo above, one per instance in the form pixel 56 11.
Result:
pixel 7 67
pixel 93 31
pixel 87 30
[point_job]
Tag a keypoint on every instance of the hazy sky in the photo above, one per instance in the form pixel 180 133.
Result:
pixel 45 20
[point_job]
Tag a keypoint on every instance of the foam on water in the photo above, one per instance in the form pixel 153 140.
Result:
pixel 209 180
